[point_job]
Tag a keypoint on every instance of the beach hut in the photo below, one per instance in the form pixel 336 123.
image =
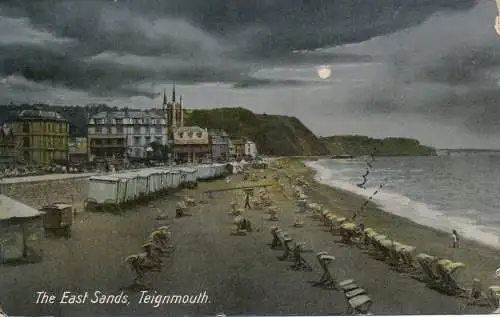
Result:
pixel 203 172
pixel 131 191
pixel 143 184
pixel 21 232
pixel 190 180
pixel 176 178
pixel 107 189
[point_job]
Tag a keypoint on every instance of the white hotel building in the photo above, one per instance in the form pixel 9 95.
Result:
pixel 127 132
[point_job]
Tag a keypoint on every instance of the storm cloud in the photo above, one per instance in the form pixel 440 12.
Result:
pixel 434 60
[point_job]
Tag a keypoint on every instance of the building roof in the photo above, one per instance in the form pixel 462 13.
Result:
pixel 193 129
pixel 39 114
pixel 238 142
pixel 10 208
pixel 126 114
pixel 217 132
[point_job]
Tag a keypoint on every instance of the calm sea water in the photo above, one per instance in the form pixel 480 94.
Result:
pixel 460 191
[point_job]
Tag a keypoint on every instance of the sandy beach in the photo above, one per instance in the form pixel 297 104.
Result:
pixel 240 274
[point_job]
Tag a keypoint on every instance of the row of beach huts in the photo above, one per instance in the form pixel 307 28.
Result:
pixel 138 185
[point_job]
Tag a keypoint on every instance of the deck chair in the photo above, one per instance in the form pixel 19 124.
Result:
pixel 330 220
pixel 348 231
pixel 277 239
pixel 447 282
pixel 287 249
pixel 365 239
pixel 327 280
pixel 359 305
pixel 401 256
pixel 493 295
pixel 334 229
pixel 348 285
pixel 477 296
pixel 377 246
pixel 299 263
pixel 426 264
pixel 324 216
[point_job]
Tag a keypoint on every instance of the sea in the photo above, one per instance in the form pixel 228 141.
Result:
pixel 455 190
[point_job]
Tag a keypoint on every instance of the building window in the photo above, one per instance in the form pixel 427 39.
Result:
pixel 119 129
pixel 137 152
pixel 158 129
pixel 137 140
pixel 158 139
pixel 148 140
pixel 26 141
pixel 26 156
pixel 119 121
pixel 179 134
pixel 98 129
pixel 137 129
pixel 199 134
pixel 26 128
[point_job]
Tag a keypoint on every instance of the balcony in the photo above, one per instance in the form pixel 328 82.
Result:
pixel 120 136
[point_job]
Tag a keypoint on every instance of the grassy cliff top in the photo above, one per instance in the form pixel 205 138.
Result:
pixel 274 134
pixel 362 145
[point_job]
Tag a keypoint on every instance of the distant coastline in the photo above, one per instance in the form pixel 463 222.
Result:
pixel 344 146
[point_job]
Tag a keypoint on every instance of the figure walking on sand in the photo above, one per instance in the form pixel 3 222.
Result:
pixel 455 240
pixel 247 200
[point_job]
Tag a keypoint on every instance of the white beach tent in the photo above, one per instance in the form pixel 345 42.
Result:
pixel 21 227
pixel 105 189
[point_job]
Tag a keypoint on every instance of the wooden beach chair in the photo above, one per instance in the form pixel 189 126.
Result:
pixel 426 272
pixel 365 239
pixel 358 302
pixel 379 251
pixel 278 238
pixel 447 282
pixel 299 262
pixel 288 244
pixel 477 296
pixel 330 220
pixel 327 279
pixel 493 295
pixel 348 231
pixel 402 256
pixel 336 223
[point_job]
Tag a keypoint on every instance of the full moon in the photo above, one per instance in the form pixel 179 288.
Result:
pixel 324 72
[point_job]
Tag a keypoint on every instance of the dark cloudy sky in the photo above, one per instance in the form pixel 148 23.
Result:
pixel 428 69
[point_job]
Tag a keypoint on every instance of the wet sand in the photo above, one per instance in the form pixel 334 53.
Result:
pixel 240 274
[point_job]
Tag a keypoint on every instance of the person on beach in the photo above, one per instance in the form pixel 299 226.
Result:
pixel 247 199
pixel 454 239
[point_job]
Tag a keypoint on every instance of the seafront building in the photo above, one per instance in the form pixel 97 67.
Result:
pixel 250 149
pixel 187 144
pixel 219 143
pixel 8 149
pixel 125 133
pixel 41 137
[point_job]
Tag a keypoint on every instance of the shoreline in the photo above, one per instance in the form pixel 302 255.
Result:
pixel 481 260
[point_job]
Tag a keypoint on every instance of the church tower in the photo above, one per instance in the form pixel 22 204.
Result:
pixel 174 112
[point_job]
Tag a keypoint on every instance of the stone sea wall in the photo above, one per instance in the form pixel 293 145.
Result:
pixel 40 193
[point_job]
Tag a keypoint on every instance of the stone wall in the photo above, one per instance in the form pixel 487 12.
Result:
pixel 40 193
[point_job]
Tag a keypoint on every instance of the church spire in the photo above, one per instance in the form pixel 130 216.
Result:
pixel 173 92
pixel 164 97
